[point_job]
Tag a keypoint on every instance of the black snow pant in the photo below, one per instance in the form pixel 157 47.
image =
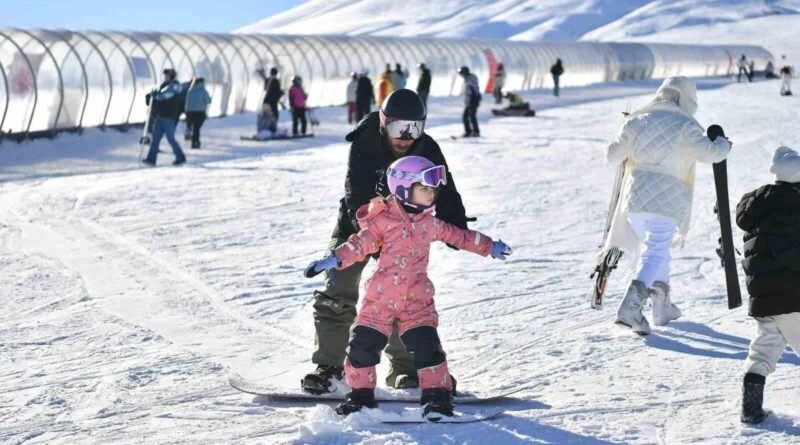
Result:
pixel 299 116
pixel 739 76
pixel 194 121
pixel 470 119
pixel 498 95
pixel 362 109
pixel 423 94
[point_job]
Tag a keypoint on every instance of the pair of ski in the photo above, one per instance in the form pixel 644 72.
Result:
pixel 408 415
pixel 609 259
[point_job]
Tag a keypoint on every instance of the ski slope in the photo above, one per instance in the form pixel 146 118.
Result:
pixel 130 295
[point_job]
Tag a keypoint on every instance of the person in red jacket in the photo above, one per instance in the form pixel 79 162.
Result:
pixel 297 103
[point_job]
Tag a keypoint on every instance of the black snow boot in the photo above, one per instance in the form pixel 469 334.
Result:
pixel 753 398
pixel 319 381
pixel 436 402
pixel 356 399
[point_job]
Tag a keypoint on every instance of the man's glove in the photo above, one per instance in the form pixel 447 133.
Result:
pixel 318 266
pixel 500 250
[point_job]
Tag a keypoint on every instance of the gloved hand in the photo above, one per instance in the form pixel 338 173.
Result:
pixel 500 250
pixel 318 266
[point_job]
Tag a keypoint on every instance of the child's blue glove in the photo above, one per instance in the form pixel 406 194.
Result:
pixel 500 250
pixel 314 269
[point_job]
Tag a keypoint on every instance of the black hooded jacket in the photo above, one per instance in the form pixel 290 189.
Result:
pixel 770 216
pixel 370 156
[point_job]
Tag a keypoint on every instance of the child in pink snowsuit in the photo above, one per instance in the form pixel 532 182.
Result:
pixel 402 228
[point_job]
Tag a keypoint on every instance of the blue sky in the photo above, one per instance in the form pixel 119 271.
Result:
pixel 156 15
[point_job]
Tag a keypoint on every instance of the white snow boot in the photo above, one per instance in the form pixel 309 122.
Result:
pixel 630 310
pixel 663 310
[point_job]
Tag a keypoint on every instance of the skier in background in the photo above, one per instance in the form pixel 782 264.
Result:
pixel 770 218
pixel 365 95
pixel 378 140
pixel 742 64
pixel 399 293
pixel 351 98
pixel 197 102
pixel 385 86
pixel 786 73
pixel 661 143
pixel 424 83
pixel 499 83
pixel 297 104
pixel 398 77
pixel 471 93
pixel 168 105
pixel 272 89
pixel 556 70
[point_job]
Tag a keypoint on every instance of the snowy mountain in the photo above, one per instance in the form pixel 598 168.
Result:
pixel 513 19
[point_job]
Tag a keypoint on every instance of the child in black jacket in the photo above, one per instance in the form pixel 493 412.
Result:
pixel 770 217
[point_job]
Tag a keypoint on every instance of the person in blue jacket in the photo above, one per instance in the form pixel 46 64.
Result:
pixel 197 101
pixel 168 104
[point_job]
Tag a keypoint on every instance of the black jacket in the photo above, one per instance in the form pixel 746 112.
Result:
pixel 370 156
pixel 424 83
pixel 272 90
pixel 770 216
pixel 169 100
pixel 365 94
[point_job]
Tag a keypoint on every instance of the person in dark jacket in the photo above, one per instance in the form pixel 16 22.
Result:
pixel 197 102
pixel 168 104
pixel 378 140
pixel 424 83
pixel 770 217
pixel 272 89
pixel 556 70
pixel 365 96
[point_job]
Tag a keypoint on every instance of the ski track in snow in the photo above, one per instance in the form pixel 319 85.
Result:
pixel 134 293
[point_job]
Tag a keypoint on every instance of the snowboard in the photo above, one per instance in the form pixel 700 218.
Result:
pixel 513 112
pixel 381 395
pixel 414 415
pixel 724 217
pixel 607 261
pixel 255 139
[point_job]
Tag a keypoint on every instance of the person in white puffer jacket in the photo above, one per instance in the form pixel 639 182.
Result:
pixel 660 144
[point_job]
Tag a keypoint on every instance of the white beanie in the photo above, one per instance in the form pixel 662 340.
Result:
pixel 685 88
pixel 786 165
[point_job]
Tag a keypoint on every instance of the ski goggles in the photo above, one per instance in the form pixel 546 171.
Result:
pixel 431 177
pixel 406 130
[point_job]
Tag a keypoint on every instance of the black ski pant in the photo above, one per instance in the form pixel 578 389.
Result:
pixel 498 95
pixel 470 119
pixel 423 94
pixel 194 120
pixel 334 312
pixel 299 116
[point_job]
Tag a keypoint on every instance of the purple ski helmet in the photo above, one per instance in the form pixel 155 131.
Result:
pixel 409 170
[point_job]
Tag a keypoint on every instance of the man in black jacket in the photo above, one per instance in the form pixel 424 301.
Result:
pixel 424 84
pixel 379 139
pixel 365 96
pixel 168 103
pixel 770 217
pixel 272 89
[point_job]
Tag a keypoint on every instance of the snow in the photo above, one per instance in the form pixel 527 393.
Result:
pixel 563 20
pixel 132 294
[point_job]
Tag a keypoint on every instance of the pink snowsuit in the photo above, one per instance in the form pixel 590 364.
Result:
pixel 399 289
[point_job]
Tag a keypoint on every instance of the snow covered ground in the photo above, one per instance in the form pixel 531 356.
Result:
pixel 129 295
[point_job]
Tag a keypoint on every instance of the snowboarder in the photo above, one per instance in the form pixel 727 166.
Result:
pixel 499 83
pixel 424 83
pixel 471 92
pixel 365 95
pixel 379 139
pixel 297 104
pixel 272 89
pixel 197 102
pixel 351 98
pixel 168 104
pixel 663 141
pixel 742 64
pixel 786 75
pixel 770 218
pixel 267 125
pixel 402 228
pixel 556 70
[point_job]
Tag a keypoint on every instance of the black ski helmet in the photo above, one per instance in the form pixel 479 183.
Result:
pixel 463 71
pixel 403 104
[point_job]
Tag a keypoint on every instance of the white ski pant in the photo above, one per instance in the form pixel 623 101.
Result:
pixel 770 341
pixel 787 83
pixel 656 232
